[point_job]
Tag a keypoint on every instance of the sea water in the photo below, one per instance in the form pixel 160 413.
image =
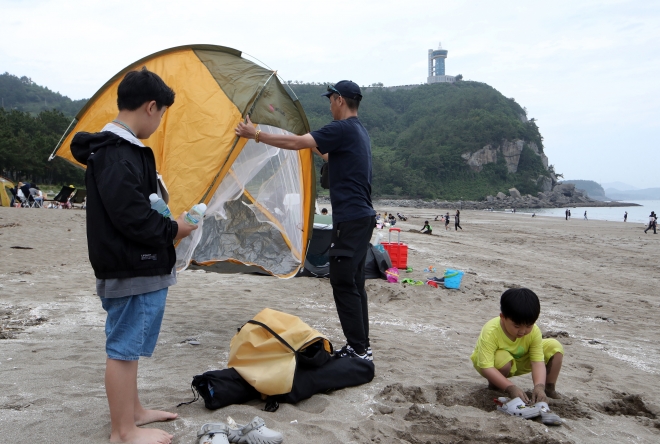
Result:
pixel 636 214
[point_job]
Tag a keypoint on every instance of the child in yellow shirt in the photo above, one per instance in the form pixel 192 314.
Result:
pixel 511 345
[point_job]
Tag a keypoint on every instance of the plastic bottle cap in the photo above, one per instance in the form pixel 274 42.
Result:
pixel 201 208
pixel 153 197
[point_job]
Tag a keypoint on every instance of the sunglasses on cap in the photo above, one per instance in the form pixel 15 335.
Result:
pixel 333 90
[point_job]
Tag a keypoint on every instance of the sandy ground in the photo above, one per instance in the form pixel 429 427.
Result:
pixel 598 284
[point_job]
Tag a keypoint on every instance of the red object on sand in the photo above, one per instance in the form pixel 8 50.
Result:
pixel 398 252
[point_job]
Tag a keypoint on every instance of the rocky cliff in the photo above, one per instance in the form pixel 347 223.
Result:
pixel 510 151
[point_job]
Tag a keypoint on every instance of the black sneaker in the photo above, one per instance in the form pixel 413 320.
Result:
pixel 347 352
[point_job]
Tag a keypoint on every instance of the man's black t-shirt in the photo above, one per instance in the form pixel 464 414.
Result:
pixel 349 164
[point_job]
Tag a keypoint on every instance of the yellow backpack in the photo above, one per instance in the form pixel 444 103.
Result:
pixel 266 349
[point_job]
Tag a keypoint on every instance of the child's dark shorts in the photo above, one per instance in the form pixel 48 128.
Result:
pixel 133 324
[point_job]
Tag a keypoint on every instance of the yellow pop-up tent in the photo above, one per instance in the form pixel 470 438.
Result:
pixel 5 200
pixel 260 199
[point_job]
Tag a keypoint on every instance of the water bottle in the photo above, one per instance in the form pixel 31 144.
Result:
pixel 379 237
pixel 158 204
pixel 195 214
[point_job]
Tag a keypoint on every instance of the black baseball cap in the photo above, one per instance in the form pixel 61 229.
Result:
pixel 345 88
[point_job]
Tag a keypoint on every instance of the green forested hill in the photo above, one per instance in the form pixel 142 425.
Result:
pixel 26 141
pixel 22 94
pixel 419 134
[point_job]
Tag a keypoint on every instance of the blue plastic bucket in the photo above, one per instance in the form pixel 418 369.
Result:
pixel 453 278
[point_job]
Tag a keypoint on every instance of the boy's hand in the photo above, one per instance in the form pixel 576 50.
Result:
pixel 538 395
pixel 516 392
pixel 184 227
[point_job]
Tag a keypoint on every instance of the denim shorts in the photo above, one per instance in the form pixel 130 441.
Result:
pixel 133 324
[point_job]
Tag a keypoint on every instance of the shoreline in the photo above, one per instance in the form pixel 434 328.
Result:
pixel 485 205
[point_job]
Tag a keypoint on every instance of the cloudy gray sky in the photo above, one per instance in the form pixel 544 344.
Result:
pixel 588 71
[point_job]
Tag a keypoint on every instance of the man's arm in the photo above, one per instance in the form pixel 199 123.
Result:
pixel 283 141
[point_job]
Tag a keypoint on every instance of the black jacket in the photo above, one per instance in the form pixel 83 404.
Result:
pixel 125 237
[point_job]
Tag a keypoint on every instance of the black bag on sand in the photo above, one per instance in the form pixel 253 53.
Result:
pixel 336 374
pixel 220 388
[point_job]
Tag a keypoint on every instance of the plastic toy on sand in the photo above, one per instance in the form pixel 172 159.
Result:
pixel 392 275
pixel 453 278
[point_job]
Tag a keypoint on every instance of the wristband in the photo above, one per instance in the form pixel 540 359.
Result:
pixel 256 136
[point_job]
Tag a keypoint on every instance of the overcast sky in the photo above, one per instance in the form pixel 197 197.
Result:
pixel 588 71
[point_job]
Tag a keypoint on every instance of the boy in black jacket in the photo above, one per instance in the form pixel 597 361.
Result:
pixel 131 246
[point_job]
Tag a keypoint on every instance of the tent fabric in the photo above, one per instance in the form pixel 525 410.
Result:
pixel 377 263
pixel 268 362
pixel 5 199
pixel 201 159
pixel 317 261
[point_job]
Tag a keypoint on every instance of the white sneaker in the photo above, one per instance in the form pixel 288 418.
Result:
pixel 214 433
pixel 548 417
pixel 516 407
pixel 255 432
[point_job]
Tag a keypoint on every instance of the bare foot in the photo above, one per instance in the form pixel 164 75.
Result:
pixel 143 436
pixel 148 416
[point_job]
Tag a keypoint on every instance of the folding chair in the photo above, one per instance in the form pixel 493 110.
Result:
pixel 79 197
pixel 32 199
pixel 63 196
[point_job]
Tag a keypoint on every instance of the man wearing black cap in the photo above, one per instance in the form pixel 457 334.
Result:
pixel 346 145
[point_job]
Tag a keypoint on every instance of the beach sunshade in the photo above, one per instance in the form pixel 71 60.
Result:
pixel 5 199
pixel 260 199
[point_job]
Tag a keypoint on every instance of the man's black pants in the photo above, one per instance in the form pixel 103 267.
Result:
pixel 653 225
pixel 348 253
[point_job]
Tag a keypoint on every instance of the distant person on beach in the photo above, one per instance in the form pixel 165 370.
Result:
pixel 512 345
pixel 39 198
pixel 392 220
pixel 569 214
pixel 585 216
pixel 653 223
pixel 625 216
pixel 566 213
pixel 457 220
pixel 130 245
pixel 324 211
pixel 426 229
pixel 447 221
pixel 346 143
pixel 533 214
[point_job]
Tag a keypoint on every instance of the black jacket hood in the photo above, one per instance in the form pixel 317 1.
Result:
pixel 84 144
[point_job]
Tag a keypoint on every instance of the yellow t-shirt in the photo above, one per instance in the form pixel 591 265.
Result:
pixel 493 338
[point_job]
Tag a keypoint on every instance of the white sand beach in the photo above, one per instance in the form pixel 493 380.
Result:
pixel 598 283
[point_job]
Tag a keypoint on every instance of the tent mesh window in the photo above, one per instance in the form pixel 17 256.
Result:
pixel 255 213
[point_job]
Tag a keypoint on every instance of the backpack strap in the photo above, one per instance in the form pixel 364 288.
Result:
pixel 195 396
pixel 270 330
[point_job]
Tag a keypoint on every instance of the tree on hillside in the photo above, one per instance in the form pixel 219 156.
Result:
pixel 26 143
pixel 23 94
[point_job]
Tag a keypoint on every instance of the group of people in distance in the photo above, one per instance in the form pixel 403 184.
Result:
pixel 123 229
pixel 382 219
pixel 24 193
pixel 446 219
